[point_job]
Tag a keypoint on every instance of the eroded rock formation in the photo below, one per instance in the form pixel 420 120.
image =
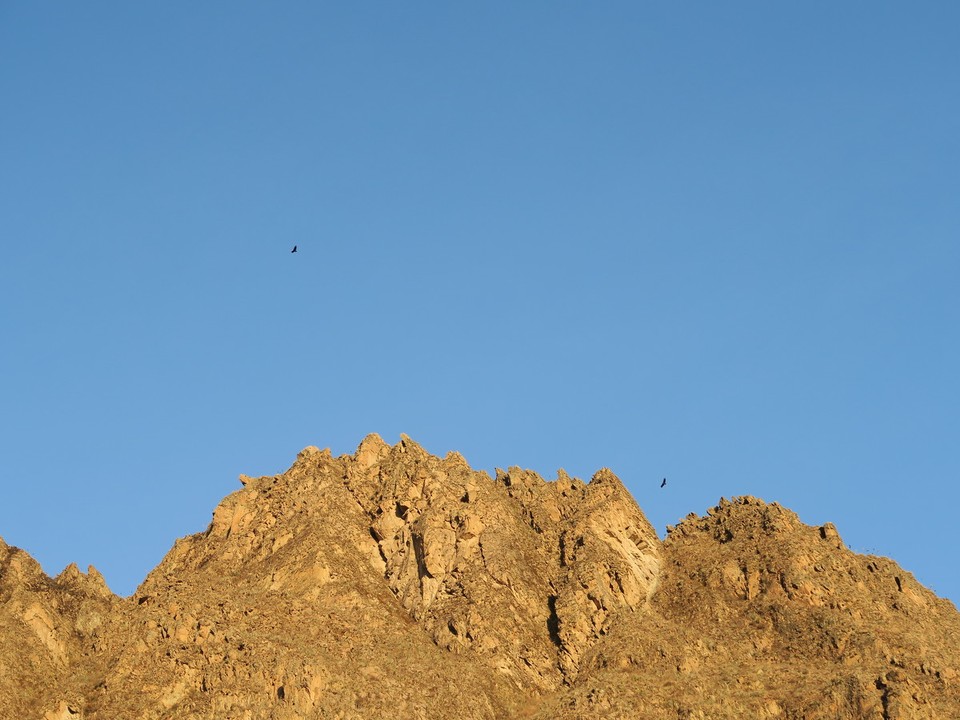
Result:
pixel 393 583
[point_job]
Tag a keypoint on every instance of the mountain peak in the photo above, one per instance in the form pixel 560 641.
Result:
pixel 392 582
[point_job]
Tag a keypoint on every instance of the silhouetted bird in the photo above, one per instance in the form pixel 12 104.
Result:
pixel 664 483
pixel 294 249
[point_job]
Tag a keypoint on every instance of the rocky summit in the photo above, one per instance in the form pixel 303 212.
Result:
pixel 395 584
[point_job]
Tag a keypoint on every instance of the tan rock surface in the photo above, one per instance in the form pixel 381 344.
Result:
pixel 393 583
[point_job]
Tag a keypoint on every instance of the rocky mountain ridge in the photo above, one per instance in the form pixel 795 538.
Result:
pixel 393 583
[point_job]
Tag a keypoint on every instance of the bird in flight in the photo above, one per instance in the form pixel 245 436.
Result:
pixel 294 249
pixel 664 483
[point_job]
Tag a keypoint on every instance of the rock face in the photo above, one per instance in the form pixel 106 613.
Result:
pixel 396 584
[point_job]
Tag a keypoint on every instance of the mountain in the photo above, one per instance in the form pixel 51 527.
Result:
pixel 395 584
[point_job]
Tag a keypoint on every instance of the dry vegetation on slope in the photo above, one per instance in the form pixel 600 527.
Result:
pixel 392 583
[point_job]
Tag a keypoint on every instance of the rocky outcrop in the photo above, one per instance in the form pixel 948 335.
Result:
pixel 49 628
pixel 759 615
pixel 522 572
pixel 394 583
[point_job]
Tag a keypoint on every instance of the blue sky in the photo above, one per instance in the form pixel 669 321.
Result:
pixel 712 242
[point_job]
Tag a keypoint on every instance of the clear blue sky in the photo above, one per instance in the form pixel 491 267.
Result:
pixel 717 242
